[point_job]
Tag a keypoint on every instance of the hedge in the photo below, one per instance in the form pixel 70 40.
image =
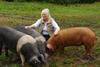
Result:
pixel 58 1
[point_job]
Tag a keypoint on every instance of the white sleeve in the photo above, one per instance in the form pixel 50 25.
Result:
pixel 36 24
pixel 55 25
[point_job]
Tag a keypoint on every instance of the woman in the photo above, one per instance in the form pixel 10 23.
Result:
pixel 46 24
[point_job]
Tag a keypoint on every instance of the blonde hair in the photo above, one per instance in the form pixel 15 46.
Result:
pixel 45 11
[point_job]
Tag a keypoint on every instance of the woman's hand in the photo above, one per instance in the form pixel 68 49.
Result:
pixel 26 27
pixel 56 32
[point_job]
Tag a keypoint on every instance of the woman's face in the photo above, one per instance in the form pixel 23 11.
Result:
pixel 45 17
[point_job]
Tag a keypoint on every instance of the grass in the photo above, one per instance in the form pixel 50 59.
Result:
pixel 31 11
pixel 13 14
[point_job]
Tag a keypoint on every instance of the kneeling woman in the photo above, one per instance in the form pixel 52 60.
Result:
pixel 46 24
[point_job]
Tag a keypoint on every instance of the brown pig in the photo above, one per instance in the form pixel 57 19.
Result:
pixel 75 36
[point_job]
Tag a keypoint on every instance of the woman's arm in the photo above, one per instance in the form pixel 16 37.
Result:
pixel 56 27
pixel 35 25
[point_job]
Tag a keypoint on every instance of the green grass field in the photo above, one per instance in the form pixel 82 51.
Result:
pixel 88 15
